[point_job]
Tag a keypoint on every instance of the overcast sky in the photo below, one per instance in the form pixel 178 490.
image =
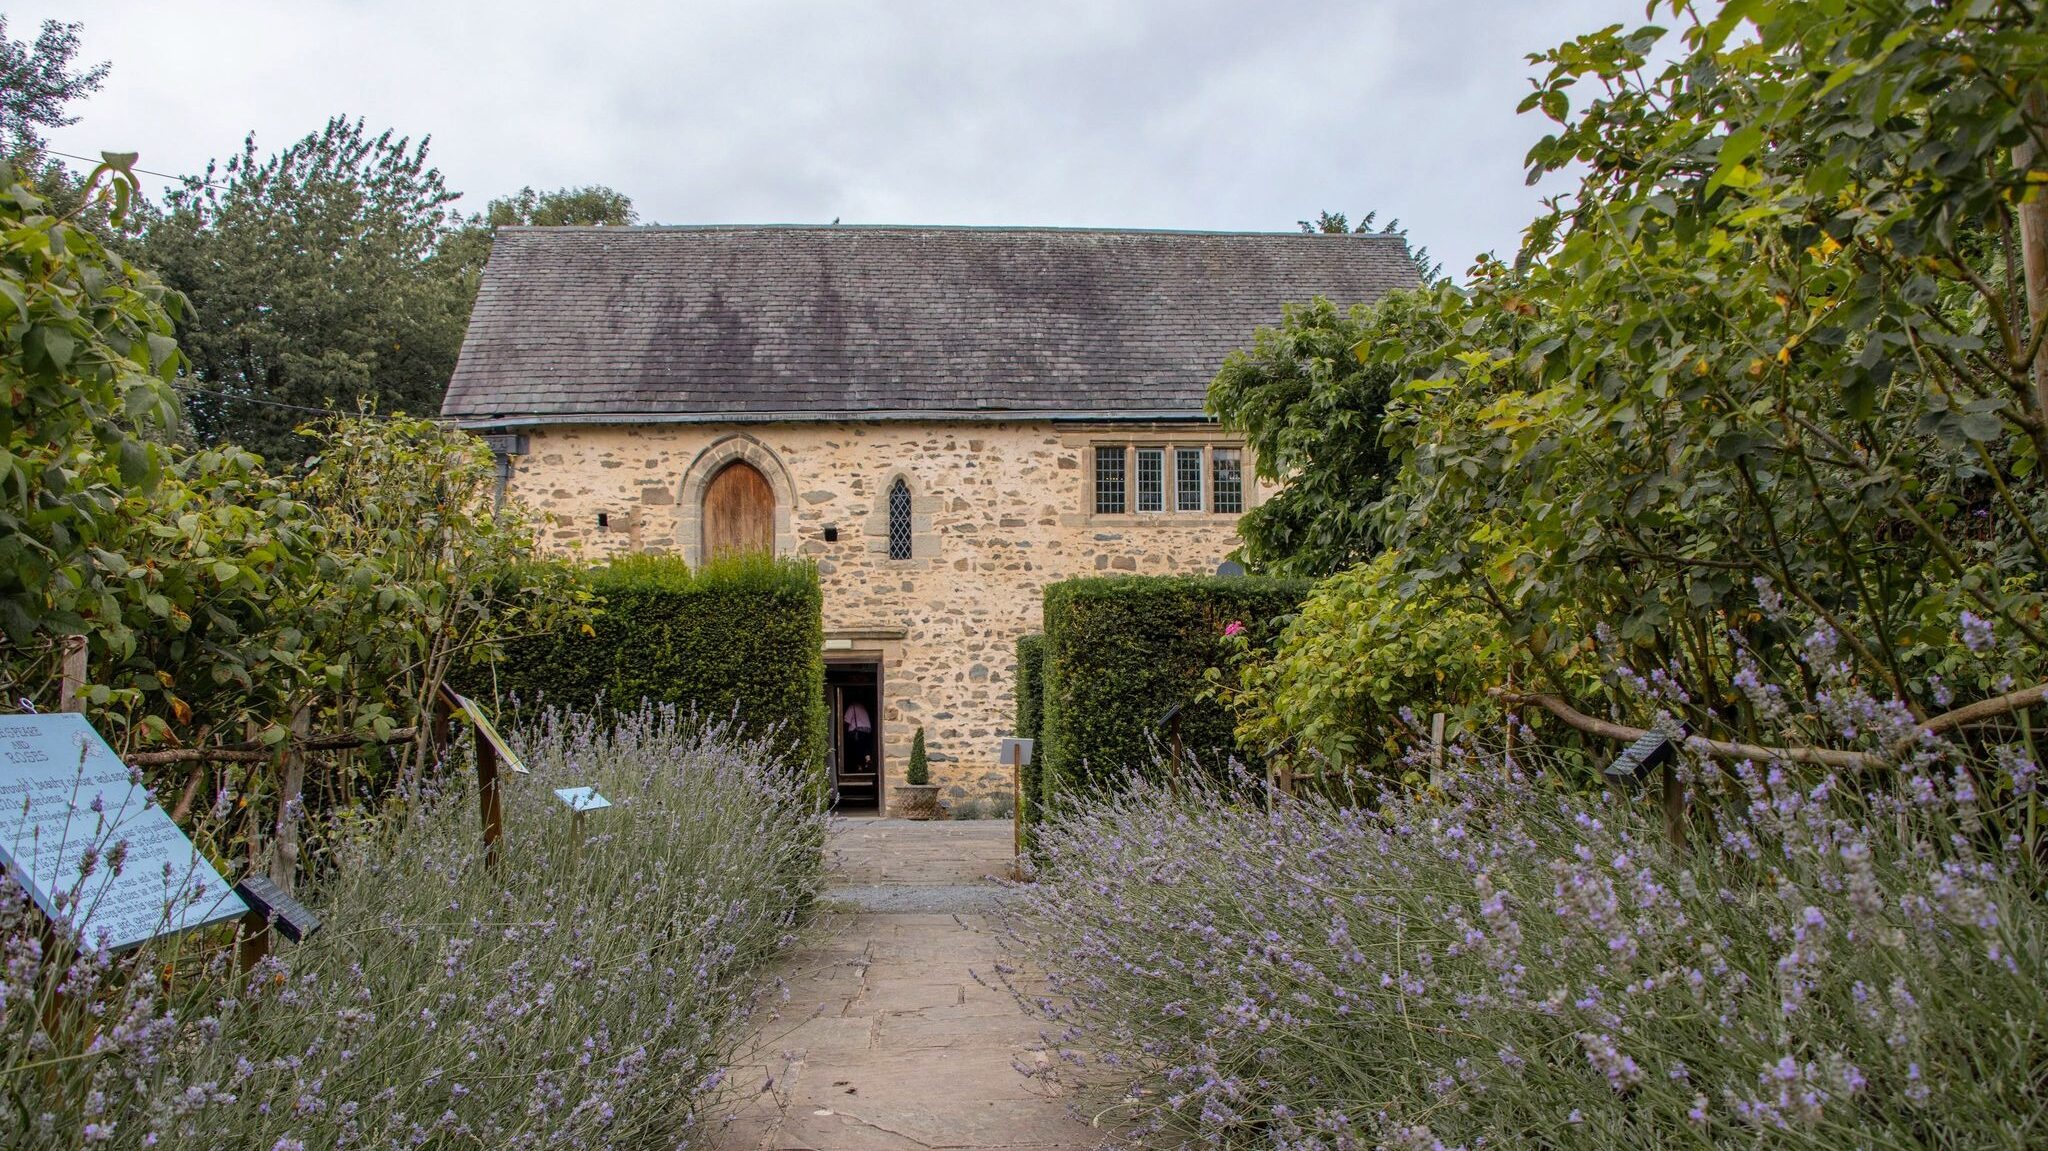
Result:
pixel 1207 115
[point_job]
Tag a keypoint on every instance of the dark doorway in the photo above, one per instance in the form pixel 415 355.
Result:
pixel 853 697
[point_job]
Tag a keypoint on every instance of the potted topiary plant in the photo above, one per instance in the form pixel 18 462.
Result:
pixel 917 797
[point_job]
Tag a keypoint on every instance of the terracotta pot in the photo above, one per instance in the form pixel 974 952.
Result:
pixel 914 801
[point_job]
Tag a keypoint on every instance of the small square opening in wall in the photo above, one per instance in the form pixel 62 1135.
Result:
pixel 604 520
pixel 831 535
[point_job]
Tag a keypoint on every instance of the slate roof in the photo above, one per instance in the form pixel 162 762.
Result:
pixel 837 322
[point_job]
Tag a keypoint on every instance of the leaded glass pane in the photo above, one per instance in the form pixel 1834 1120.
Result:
pixel 1187 479
pixel 1151 479
pixel 1227 482
pixel 1109 481
pixel 899 520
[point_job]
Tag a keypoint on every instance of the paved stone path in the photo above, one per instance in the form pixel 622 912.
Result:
pixel 887 1042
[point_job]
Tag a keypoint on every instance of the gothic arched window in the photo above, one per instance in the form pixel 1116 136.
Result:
pixel 899 520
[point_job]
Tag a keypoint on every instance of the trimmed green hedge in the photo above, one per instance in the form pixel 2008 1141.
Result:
pixel 1120 651
pixel 740 637
pixel 1030 716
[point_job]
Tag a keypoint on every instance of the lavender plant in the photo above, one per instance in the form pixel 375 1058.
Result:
pixel 587 992
pixel 1843 957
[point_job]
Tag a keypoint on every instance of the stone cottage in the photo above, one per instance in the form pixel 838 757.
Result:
pixel 944 419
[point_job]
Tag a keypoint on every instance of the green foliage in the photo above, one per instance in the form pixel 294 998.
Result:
pixel 1311 414
pixel 595 204
pixel 1121 651
pixel 36 83
pixel 1332 693
pixel 740 638
pixel 421 578
pixel 919 773
pixel 1337 223
pixel 86 357
pixel 218 601
pixel 317 280
pixel 1772 348
pixel 1031 716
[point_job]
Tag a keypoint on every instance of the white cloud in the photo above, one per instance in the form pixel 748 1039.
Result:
pixel 1196 114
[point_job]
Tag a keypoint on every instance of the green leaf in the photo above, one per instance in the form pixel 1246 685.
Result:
pixel 1729 168
pixel 138 465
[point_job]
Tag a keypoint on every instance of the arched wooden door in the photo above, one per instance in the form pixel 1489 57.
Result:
pixel 739 512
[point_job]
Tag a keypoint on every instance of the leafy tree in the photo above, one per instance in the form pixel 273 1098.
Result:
pixel 1337 224
pixel 595 204
pixel 86 359
pixel 1311 414
pixel 37 84
pixel 1765 381
pixel 317 280
pixel 1331 223
pixel 463 254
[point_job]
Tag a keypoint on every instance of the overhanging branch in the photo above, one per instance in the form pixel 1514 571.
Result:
pixel 1826 756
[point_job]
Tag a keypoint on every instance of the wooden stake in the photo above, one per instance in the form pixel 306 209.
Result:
pixel 2033 217
pixel 1436 751
pixel 1017 806
pixel 487 800
pixel 71 687
pixel 1179 752
pixel 1674 805
pixel 291 786
pixel 255 944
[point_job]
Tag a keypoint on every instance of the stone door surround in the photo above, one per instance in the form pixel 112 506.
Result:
pixel 742 448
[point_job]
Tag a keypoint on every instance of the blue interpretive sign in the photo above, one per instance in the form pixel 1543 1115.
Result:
pixel 70 810
pixel 581 798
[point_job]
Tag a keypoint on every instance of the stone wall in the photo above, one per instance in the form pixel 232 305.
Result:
pixel 998 511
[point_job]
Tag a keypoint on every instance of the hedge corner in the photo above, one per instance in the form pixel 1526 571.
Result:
pixel 1121 652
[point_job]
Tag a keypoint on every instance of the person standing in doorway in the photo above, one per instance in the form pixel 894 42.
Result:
pixel 860 738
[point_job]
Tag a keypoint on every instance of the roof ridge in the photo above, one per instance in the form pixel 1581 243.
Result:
pixel 990 228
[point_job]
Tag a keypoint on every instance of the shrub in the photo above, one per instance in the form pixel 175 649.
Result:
pixel 578 995
pixel 1843 958
pixel 1352 679
pixel 1030 716
pixel 1120 651
pixel 919 773
pixel 739 638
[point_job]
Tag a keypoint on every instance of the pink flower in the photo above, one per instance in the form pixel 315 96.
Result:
pixel 1234 627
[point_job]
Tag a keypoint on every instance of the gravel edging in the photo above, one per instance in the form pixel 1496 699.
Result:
pixel 920 898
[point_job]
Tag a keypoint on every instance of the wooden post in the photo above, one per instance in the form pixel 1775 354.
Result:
pixel 1017 805
pixel 575 840
pixel 487 800
pixel 291 786
pixel 255 943
pixel 1179 753
pixel 71 685
pixel 1674 805
pixel 492 813
pixel 1507 762
pixel 2033 217
pixel 1436 751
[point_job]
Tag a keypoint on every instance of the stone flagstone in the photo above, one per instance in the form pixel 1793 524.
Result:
pixel 887 1042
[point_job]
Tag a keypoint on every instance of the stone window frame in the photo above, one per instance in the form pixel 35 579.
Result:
pixel 924 534
pixel 1172 445
pixel 737 447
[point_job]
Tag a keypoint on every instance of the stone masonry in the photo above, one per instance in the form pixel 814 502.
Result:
pixel 999 510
